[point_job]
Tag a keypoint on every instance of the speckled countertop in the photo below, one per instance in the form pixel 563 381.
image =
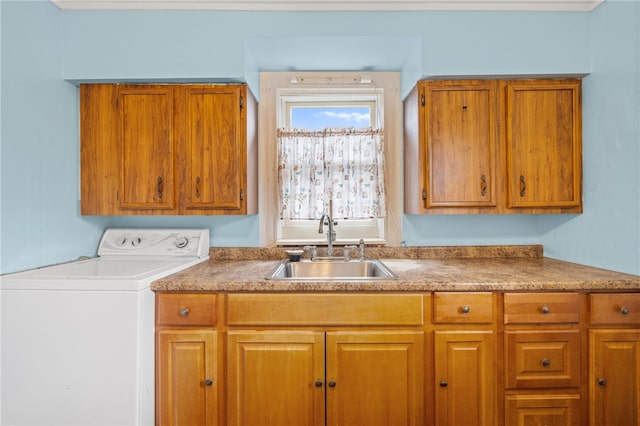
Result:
pixel 464 268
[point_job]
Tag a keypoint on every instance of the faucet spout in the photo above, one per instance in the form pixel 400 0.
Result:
pixel 331 233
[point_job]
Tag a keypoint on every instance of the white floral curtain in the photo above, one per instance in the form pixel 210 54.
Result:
pixel 344 165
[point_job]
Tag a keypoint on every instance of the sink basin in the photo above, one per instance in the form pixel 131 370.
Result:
pixel 332 270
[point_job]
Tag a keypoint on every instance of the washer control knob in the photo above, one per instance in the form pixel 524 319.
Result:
pixel 122 241
pixel 181 242
pixel 135 241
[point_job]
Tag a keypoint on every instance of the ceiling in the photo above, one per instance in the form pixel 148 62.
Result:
pixel 333 5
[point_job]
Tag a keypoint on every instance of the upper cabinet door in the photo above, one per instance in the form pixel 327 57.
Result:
pixel 460 120
pixel 543 143
pixel 146 147
pixel 211 138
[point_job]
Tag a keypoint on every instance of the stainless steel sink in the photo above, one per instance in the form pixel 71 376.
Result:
pixel 332 270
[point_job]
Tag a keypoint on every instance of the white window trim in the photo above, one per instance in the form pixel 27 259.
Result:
pixel 281 86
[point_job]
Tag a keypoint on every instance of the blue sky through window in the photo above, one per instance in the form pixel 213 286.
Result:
pixel 320 117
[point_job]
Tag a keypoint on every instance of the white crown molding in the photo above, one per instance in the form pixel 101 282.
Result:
pixel 333 5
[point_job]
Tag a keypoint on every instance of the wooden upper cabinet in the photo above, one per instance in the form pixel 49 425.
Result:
pixel 459 120
pixel 450 147
pixel 543 144
pixel 168 149
pixel 146 147
pixel 493 146
pixel 211 138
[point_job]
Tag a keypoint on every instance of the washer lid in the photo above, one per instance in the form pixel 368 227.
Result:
pixel 106 268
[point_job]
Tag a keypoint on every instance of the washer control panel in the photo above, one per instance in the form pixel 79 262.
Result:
pixel 172 242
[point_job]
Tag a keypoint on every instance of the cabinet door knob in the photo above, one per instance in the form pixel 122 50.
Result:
pixel 483 185
pixel 443 383
pixel 198 187
pixel 624 311
pixel 545 362
pixel 184 312
pixel 332 384
pixel 465 309
pixel 318 383
pixel 602 382
pixel 545 309
pixel 208 382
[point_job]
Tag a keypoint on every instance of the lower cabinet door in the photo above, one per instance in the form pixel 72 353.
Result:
pixel 187 387
pixel 363 378
pixel 614 387
pixel 465 378
pixel 375 378
pixel 549 410
pixel 275 378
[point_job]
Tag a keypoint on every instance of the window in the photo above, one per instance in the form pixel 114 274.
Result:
pixel 337 102
pixel 330 155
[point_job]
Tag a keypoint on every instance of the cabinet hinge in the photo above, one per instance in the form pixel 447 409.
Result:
pixel 241 102
pixel 242 195
pixel 422 100
pixel 424 194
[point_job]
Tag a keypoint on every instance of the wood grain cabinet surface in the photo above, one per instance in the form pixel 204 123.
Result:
pixel 305 377
pixel 614 359
pixel 543 358
pixel 406 359
pixel 166 149
pixel 493 146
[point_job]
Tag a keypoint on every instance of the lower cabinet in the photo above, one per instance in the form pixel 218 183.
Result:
pixel 465 378
pixel 284 377
pixel 615 377
pixel 186 380
pixel 543 360
pixel 382 359
pixel 614 363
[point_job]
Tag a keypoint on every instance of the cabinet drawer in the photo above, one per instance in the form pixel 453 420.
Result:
pixel 542 359
pixel 618 308
pixel 523 410
pixel 186 309
pixel 465 308
pixel 526 308
pixel 325 309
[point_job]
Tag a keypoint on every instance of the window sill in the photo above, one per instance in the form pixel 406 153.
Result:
pixel 323 242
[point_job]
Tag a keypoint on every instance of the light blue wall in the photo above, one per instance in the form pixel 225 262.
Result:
pixel 42 47
pixel 40 223
pixel 607 234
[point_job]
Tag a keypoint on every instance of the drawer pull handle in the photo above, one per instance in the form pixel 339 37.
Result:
pixel 545 362
pixel 602 382
pixel 465 309
pixel 318 383
pixel 545 309
pixel 332 384
pixel 624 311
pixel 208 382
pixel 443 383
pixel 184 312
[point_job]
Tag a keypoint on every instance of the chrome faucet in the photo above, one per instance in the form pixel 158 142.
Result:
pixel 331 233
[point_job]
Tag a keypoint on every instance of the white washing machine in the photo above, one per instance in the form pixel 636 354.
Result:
pixel 78 338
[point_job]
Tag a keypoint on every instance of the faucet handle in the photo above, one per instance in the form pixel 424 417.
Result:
pixel 312 249
pixel 361 245
pixel 346 250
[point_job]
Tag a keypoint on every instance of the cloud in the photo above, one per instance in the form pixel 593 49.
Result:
pixel 348 116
